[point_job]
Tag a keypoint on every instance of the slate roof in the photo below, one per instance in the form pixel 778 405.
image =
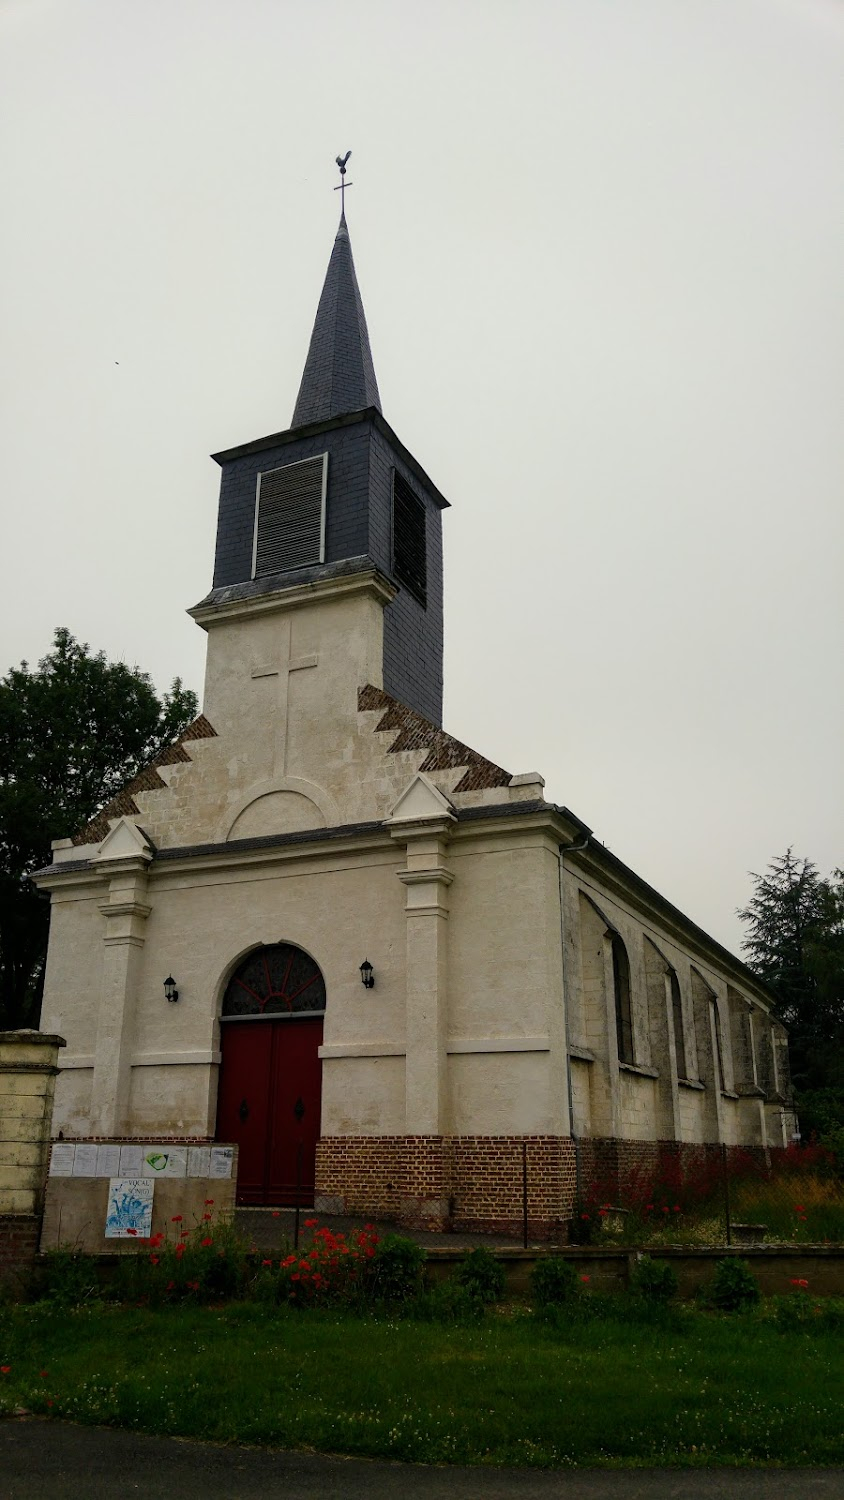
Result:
pixel 339 373
pixel 444 752
pixel 147 780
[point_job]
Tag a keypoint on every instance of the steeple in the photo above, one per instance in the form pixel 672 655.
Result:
pixel 339 373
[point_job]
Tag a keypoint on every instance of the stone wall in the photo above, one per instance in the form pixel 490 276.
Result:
pixel 27 1081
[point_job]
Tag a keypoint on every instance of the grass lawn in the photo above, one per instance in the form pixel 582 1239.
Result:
pixel 683 1387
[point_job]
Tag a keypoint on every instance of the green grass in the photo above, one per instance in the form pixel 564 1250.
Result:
pixel 615 1386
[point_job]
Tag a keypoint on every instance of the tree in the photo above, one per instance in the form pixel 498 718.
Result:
pixel 72 733
pixel 795 942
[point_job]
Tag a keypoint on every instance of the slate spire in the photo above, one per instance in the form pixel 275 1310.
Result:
pixel 339 374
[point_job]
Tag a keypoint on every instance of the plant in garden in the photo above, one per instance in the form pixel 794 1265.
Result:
pixel 397 1270
pixel 67 1277
pixel 481 1275
pixel 554 1282
pixel 655 1280
pixel 734 1287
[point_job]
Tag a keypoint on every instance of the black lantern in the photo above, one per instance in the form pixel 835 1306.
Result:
pixel 367 977
pixel 170 988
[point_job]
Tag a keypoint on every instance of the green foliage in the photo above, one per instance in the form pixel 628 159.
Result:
pixel 68 1278
pixel 553 1282
pixel 73 731
pixel 448 1302
pixel 734 1287
pixel 655 1280
pixel 481 1275
pixel 795 942
pixel 205 1263
pixel 397 1269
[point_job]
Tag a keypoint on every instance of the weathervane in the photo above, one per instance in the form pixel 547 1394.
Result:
pixel 343 184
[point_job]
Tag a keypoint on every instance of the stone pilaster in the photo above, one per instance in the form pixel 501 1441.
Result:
pixel 125 912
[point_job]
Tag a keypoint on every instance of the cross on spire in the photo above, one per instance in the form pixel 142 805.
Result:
pixel 343 184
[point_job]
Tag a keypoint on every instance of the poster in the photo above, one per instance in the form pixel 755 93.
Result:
pixel 61 1159
pixel 131 1161
pixel 199 1161
pixel 129 1214
pixel 165 1161
pixel 108 1160
pixel 220 1164
pixel 85 1159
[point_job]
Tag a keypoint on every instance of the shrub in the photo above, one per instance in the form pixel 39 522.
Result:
pixel 448 1302
pixel 733 1287
pixel 481 1275
pixel 68 1277
pixel 397 1269
pixel 654 1280
pixel 553 1281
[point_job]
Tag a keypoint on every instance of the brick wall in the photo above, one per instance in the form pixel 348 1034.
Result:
pixel 18 1245
pixel 469 1183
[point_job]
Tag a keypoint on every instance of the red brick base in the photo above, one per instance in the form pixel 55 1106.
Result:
pixel 477 1183
pixel 18 1246
pixel 470 1183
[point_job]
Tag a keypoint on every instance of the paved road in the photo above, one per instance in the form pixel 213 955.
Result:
pixel 57 1461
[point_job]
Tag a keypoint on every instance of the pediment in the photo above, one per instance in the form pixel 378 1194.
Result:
pixel 420 802
pixel 124 841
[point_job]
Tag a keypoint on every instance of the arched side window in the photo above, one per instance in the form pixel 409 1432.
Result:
pixel 719 1045
pixel 277 981
pixel 621 988
pixel 679 1029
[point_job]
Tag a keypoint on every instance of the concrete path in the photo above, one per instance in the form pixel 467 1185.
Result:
pixel 56 1461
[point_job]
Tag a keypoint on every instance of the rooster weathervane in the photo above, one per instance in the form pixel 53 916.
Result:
pixel 343 184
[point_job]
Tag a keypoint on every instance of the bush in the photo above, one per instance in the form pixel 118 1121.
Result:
pixel 654 1280
pixel 448 1302
pixel 396 1271
pixel 733 1287
pixel 481 1275
pixel 553 1281
pixel 68 1277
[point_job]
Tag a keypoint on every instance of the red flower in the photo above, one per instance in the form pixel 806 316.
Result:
pixel 206 1216
pixel 194 1286
pixel 295 1276
pixel 177 1219
pixel 153 1260
pixel 266 1262
pixel 799 1209
pixel 799 1281
pixel 4 1369
pixel 170 1285
pixel 586 1278
pixel 649 1208
pixel 275 1213
pixel 43 1374
pixel 311 1223
pixel 676 1208
pixel 584 1216
pixel 207 1242
pixel 49 1402
pixel 208 1202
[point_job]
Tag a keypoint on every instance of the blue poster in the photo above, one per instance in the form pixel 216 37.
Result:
pixel 129 1213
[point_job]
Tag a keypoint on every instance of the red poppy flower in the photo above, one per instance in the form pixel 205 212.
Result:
pixel 208 1202
pixel 584 1216
pixel 206 1216
pixel 676 1208
pixel 295 1276
pixel 207 1242
pixel 275 1213
pixel 154 1260
pixel 170 1285
pixel 43 1374
pixel 311 1223
pixel 586 1278
pixel 177 1219
pixel 4 1369
pixel 49 1402
pixel 266 1262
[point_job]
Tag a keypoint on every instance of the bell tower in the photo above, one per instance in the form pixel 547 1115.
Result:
pixel 338 495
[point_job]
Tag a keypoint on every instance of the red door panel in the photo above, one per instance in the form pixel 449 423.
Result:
pixel 269 1105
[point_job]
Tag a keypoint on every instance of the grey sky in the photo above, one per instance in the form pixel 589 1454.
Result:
pixel 600 245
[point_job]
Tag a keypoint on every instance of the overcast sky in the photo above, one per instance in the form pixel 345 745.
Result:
pixel 601 250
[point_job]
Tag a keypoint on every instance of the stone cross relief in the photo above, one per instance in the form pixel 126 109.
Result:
pixel 282 671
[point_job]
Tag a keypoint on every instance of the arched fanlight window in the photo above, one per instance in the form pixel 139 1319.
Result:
pixel 679 1029
pixel 276 981
pixel 621 988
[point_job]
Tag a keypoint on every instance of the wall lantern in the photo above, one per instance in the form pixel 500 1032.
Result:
pixel 367 976
pixel 170 988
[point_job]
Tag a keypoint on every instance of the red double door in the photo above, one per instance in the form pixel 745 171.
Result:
pixel 269 1104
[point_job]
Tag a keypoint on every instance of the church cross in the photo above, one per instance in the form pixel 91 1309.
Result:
pixel 282 671
pixel 343 184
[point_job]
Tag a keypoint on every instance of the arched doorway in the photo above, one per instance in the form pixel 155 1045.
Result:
pixel 268 1100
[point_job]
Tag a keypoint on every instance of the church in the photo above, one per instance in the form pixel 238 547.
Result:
pixel 399 979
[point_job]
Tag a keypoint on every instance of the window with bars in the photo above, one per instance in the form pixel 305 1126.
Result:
pixel 679 1029
pixel 290 516
pixel 621 988
pixel 410 551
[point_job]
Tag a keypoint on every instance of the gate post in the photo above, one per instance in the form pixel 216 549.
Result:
pixel 28 1068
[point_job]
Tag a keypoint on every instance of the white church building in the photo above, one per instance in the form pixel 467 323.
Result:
pixel 320 928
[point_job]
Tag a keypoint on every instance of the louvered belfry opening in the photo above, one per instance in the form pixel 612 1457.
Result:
pixel 290 516
pixel 410 553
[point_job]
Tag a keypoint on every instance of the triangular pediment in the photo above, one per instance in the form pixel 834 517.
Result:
pixel 420 801
pixel 125 841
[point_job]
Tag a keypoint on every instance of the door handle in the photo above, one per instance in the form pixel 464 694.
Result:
pixel 244 1110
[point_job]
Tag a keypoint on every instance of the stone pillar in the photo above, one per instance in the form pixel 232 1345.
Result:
pixel 422 819
pixel 123 858
pixel 28 1068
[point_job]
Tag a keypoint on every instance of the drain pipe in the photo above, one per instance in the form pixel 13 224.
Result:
pixel 565 849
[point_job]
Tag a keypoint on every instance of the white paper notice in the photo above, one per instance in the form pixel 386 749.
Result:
pixel 85 1159
pixel 199 1161
pixel 165 1161
pixel 61 1159
pixel 220 1164
pixel 131 1161
pixel 108 1161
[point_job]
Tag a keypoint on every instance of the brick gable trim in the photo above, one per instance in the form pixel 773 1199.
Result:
pixel 147 780
pixel 444 752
